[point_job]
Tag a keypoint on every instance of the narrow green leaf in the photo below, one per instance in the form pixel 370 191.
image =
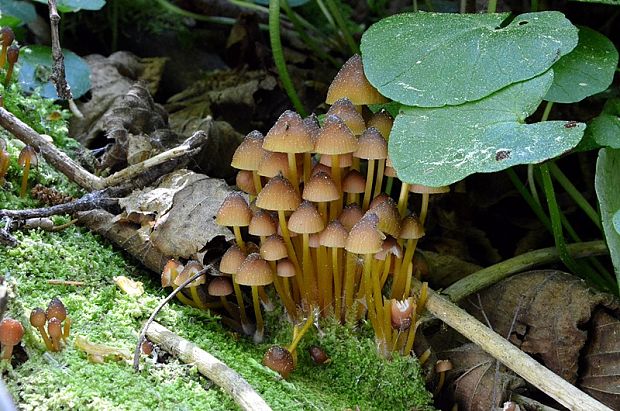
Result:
pixel 606 183
pixel 36 69
pixel 439 146
pixel 433 59
pixel 587 70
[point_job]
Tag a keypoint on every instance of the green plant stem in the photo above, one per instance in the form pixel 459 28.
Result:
pixel 497 272
pixel 572 191
pixel 415 6
pixel 309 41
pixel 181 12
pixel 529 199
pixel 492 6
pixel 534 6
pixel 531 183
pixel 335 11
pixel 278 56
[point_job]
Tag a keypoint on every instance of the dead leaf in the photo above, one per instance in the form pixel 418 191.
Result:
pixel 98 353
pixel 130 287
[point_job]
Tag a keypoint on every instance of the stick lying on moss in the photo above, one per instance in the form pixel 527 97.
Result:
pixel 209 366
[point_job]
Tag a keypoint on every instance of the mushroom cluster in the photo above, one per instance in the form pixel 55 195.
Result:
pixel 321 224
pixel 54 316
pixel 9 53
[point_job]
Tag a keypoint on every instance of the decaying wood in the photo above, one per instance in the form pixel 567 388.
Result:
pixel 509 355
pixel 209 366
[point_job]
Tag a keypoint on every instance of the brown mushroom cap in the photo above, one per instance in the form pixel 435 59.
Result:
pixel 54 328
pixel 334 235
pixel 37 317
pixel 280 360
pixel 285 268
pixel 306 219
pixel 382 121
pixel 27 153
pixel 220 287
pixel 321 188
pixel 273 248
pixel 335 138
pixel 191 268
pixel 56 309
pixel 262 224
pixel 321 168
pixel 443 365
pixel 353 182
pixel 289 135
pixel 318 355
pixel 7 36
pixel 11 332
pixel 278 194
pixel 234 211
pixel 351 214
pixel 273 164
pixel 422 189
pixel 344 160
pixel 389 218
pixel 171 269
pixel 12 54
pixel 401 313
pixel 351 82
pixel 254 272
pixel 411 228
pixel 232 260
pixel 245 182
pixel 364 237
pixel 344 109
pixel 249 153
pixel 371 145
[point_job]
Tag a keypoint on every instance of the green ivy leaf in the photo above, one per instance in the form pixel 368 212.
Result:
pixel 14 13
pixel 606 184
pixel 439 146
pixel 77 5
pixel 587 70
pixel 36 68
pixel 604 129
pixel 616 221
pixel 433 59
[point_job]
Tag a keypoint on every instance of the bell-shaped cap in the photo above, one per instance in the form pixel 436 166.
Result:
pixel 278 194
pixel 254 272
pixel 335 137
pixel 249 153
pixel 371 145
pixel 232 260
pixel 344 109
pixel 351 82
pixel 320 188
pixel 334 235
pixel 234 211
pixel 289 135
pixel 382 121
pixel 364 237
pixel 306 219
pixel 273 248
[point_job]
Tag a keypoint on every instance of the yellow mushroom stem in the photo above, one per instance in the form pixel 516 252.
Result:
pixel 227 306
pixel 377 297
pixel 336 273
pixel 411 332
pixel 22 192
pixel 386 269
pixel 180 296
pixel 370 173
pixel 260 325
pixel 286 236
pixel 46 338
pixel 424 207
pixel 9 74
pixel 370 302
pixel 298 335
pixel 352 198
pixel 242 314
pixel 66 329
pixel 336 205
pixel 308 270
pixel 257 183
pixel 387 322
pixel 402 199
pixel 400 278
pixel 292 169
pixel 238 238
pixel 425 356
pixel 442 378
pixel 349 280
pixel 379 182
pixel 323 211
pixel 307 166
pixel 265 299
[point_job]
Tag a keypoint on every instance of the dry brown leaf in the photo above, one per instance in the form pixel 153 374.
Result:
pixel 601 373
pixel 552 309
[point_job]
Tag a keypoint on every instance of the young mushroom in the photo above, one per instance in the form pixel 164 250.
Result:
pixel 280 360
pixel 4 160
pixel 27 158
pixel 11 333
pixel 54 328
pixel 12 55
pixel 38 320
pixel 255 272
pixel 56 309
pixel 6 37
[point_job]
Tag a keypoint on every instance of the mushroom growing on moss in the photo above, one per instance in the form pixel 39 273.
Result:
pixel 12 55
pixel 27 158
pixel 255 272
pixel 56 309
pixel 7 37
pixel 38 320
pixel 11 333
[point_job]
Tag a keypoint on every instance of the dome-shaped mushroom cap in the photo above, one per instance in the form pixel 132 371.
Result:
pixel 382 121
pixel 262 224
pixel 56 309
pixel 273 164
pixel 7 36
pixel 170 271
pixel 443 366
pixel 334 235
pixel 278 194
pixel 364 237
pixel 54 328
pixel 306 219
pixel 351 82
pixel 12 54
pixel 371 145
pixel 351 214
pixel 344 109
pixel 232 260
pixel 273 248
pixel 191 268
pixel 400 313
pixel 254 272
pixel 321 188
pixel 389 218
pixel 37 317
pixel 234 211
pixel 335 138
pixel 353 182
pixel 249 153
pixel 220 287
pixel 280 360
pixel 321 168
pixel 422 189
pixel 245 182
pixel 11 331
pixel 285 268
pixel 289 135
pixel 27 153
pixel 411 228
pixel 344 160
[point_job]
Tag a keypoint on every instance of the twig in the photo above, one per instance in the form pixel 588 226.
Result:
pixel 497 272
pixel 58 67
pixel 66 282
pixel 513 358
pixel 55 157
pixel 209 366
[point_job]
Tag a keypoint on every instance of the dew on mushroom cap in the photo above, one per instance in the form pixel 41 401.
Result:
pixel 344 109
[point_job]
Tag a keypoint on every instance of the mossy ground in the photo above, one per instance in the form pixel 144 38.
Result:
pixel 102 313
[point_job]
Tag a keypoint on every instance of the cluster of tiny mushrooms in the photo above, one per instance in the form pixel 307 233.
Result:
pixel 320 226
pixel 28 156
pixel 55 337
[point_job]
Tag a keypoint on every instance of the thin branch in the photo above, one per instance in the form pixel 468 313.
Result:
pixel 58 67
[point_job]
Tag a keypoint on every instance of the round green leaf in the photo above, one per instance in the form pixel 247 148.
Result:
pixel 604 129
pixel 432 59
pixel 606 184
pixel 14 13
pixel 77 5
pixel 36 68
pixel 587 70
pixel 439 146
pixel 616 221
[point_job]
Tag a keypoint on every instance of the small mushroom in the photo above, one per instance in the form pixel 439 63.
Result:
pixel 441 367
pixel 54 328
pixel 4 160
pixel 27 158
pixel 37 320
pixel 12 55
pixel 7 37
pixel 280 360
pixel 11 333
pixel 56 309
pixel 318 355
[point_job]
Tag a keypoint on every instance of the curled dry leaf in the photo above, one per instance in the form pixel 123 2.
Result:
pixel 601 371
pixel 129 286
pixel 552 311
pixel 98 353
pixel 473 382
